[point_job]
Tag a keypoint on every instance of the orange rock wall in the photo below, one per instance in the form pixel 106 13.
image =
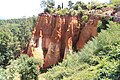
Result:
pixel 72 34
pixel 89 31
pixel 55 36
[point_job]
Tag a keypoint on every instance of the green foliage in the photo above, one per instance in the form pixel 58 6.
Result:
pixel 115 2
pixel 72 9
pixel 109 52
pixel 94 4
pixel 84 18
pixel 7 44
pixel 47 4
pixel 24 34
pixel 73 12
pixel 66 68
pixel 47 10
pixel 80 5
pixel 104 23
pixel 98 60
pixel 28 67
pixel 14 37
pixel 25 68
pixel 70 4
pixel 62 11
pixel 3 74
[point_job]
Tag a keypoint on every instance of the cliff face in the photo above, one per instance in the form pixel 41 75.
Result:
pixel 71 35
pixel 53 53
pixel 89 31
pixel 55 36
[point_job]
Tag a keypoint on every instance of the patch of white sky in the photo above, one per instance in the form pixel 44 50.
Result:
pixel 20 8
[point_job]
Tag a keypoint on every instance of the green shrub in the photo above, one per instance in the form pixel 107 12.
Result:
pixel 14 37
pixel 62 11
pixel 108 52
pixel 26 67
pixel 84 18
pixel 3 74
pixel 7 45
pixel 98 60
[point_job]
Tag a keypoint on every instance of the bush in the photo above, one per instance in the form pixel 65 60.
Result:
pixel 84 19
pixel 99 59
pixel 3 74
pixel 14 36
pixel 7 45
pixel 25 68
pixel 28 67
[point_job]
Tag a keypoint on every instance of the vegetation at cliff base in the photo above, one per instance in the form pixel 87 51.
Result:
pixel 98 60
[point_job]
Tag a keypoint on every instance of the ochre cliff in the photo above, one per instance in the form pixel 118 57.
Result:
pixel 89 31
pixel 55 36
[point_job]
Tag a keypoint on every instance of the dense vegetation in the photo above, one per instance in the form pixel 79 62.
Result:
pixel 14 37
pixel 76 8
pixel 98 60
pixel 24 68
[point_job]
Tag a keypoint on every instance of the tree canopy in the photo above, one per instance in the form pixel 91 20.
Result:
pixel 115 2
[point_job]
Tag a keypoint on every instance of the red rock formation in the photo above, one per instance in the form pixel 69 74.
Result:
pixel 53 54
pixel 35 45
pixel 72 34
pixel 47 29
pixel 63 33
pixel 55 36
pixel 89 31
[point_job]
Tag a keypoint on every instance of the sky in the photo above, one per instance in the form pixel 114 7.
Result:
pixel 19 8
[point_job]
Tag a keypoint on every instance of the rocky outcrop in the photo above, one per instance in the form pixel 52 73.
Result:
pixel 53 54
pixel 55 36
pixel 35 44
pixel 72 34
pixel 89 31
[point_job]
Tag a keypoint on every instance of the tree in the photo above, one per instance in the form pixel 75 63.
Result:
pixel 115 2
pixel 8 46
pixel 59 7
pixel 70 4
pixel 47 4
pixel 24 33
pixel 14 36
pixel 95 4
pixel 62 5
pixel 79 6
pixel 89 6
